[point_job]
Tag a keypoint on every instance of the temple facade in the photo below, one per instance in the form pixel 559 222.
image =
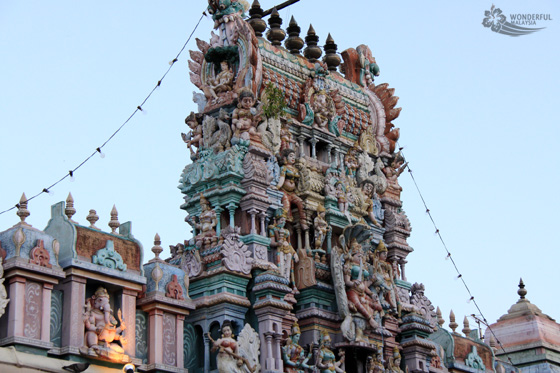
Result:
pixel 297 261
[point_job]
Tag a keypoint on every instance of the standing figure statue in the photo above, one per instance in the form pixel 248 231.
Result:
pixel 207 220
pixel 194 136
pixel 294 356
pixel 352 164
pixel 287 183
pixel 285 253
pixel 223 82
pixel 102 336
pixel 245 117
pixel 394 365
pixel 368 189
pixel 326 359
pixel 383 280
pixel 374 364
pixel 229 360
pixel 321 229
pixel 394 170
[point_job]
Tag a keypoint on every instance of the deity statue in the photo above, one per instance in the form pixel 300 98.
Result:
pixel 245 117
pixel 394 170
pixel 357 304
pixel 102 336
pixel 372 202
pixel 322 109
pixel 374 364
pixel 331 179
pixel 194 136
pixel 351 163
pixel 289 176
pixel 285 253
pixel 286 138
pixel 370 69
pixel 229 358
pixel 207 220
pixel 223 82
pixel 326 359
pixel 383 280
pixel 321 229
pixel 394 365
pixel 294 356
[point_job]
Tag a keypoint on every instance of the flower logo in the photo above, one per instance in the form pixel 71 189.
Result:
pixel 494 19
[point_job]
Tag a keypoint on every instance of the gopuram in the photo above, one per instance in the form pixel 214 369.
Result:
pixel 297 262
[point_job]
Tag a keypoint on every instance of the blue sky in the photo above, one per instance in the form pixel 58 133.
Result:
pixel 478 124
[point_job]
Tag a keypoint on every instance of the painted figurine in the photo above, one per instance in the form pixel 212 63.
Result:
pixel 368 189
pixel 228 355
pixel 294 356
pixel 356 278
pixel 321 229
pixel 321 109
pixel 194 136
pixel 394 170
pixel 374 364
pixel 289 176
pixel 285 253
pixel 207 220
pixel 326 359
pixel 394 365
pixel 223 82
pixel 351 163
pixel 383 280
pixel 286 138
pixel 102 336
pixel 245 117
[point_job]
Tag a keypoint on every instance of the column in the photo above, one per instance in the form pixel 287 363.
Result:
pixel 336 159
pixel 179 344
pixel 129 316
pixel 16 313
pixel 270 358
pixel 155 355
pixel 74 289
pixel 298 232
pixel 278 351
pixel 329 241
pixel 231 207
pixel 402 263
pixel 46 314
pixel 253 212
pixel 206 353
pixel 262 216
pixel 314 142
pixel 301 139
pixel 307 246
pixel 218 211
pixel 329 155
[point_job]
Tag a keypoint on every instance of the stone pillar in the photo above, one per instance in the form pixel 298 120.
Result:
pixel 206 353
pixel 179 343
pixel 329 155
pixel 231 207
pixel 74 288
pixel 336 159
pixel 301 139
pixel 218 211
pixel 155 337
pixel 402 263
pixel 314 142
pixel 253 212
pixel 278 351
pixel 16 307
pixel 262 217
pixel 46 314
pixel 299 241
pixel 329 241
pixel 270 360
pixel 129 317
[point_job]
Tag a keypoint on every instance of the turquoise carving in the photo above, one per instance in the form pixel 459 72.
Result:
pixel 475 361
pixel 108 257
pixel 190 344
pixel 56 317
pixel 142 336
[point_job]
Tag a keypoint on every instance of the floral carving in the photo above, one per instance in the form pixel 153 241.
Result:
pixel 108 257
pixel 33 304
pixel 235 254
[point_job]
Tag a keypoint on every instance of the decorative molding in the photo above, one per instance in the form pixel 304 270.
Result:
pixel 108 257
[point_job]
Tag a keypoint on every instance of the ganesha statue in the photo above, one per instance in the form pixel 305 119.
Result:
pixel 103 338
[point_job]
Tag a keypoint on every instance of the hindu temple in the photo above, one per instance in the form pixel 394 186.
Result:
pixel 298 253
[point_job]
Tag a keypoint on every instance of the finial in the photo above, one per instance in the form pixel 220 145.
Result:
pixel 440 319
pixel 255 20
pixel 493 343
pixel 452 324
pixel 70 210
pixel 92 218
pixel 157 249
pixel 275 35
pixel 312 52
pixel 466 327
pixel 332 59
pixel 293 43
pixel 114 222
pixel 522 292
pixel 22 211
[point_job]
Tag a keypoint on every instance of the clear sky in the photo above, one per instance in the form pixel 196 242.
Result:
pixel 478 124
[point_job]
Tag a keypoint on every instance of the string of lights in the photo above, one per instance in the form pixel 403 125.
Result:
pixel 98 150
pixel 449 257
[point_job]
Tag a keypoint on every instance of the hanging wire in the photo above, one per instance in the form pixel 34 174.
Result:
pixel 138 108
pixel 450 257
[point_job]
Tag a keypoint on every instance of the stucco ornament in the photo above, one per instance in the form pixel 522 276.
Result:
pixel 108 257
pixel 235 254
pixel 239 356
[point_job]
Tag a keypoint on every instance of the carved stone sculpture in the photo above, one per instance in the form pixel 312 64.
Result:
pixel 323 108
pixel 39 255
pixel 321 228
pixel 216 132
pixel 394 170
pixel 237 356
pixel 235 254
pixel 103 337
pixel 207 220
pixel 245 117
pixel 221 83
pixel 194 136
pixel 383 280
pixel 174 289
pixel 394 365
pixel 368 189
pixel 3 294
